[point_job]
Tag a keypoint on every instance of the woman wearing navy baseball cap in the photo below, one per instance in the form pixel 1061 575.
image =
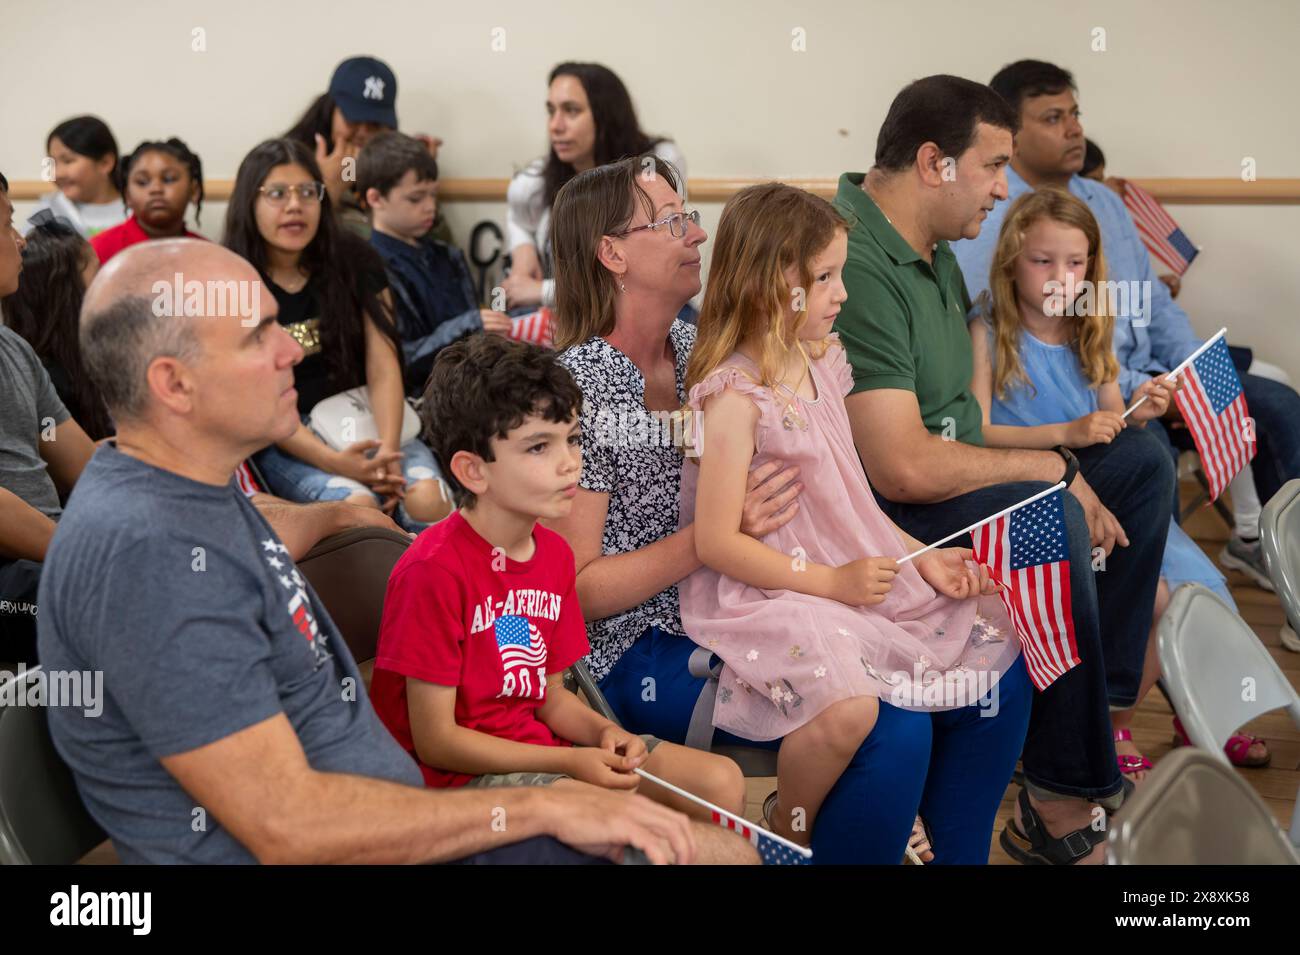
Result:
pixel 361 101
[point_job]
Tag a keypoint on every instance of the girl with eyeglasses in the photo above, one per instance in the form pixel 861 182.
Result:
pixel 333 299
pixel 159 181
pixel 590 121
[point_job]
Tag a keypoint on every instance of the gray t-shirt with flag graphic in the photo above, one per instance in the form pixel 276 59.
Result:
pixel 185 600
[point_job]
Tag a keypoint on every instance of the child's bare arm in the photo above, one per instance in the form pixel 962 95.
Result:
pixel 441 742
pixel 1109 398
pixel 724 461
pixel 568 717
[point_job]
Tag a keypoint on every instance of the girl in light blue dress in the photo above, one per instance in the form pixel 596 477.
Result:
pixel 1045 375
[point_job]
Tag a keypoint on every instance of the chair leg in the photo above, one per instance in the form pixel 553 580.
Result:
pixel 1219 507
pixel 587 684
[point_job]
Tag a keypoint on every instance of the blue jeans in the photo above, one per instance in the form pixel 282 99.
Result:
pixel 539 850
pixel 1070 750
pixel 1276 410
pixel 954 766
pixel 296 480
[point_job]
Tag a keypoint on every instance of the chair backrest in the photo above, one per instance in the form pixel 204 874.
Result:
pixel 1279 533
pixel 349 572
pixel 42 818
pixel 1218 673
pixel 1193 809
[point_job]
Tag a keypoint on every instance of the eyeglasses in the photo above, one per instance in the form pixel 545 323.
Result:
pixel 278 194
pixel 676 224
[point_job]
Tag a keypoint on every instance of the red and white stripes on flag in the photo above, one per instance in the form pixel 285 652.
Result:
pixel 1166 242
pixel 534 328
pixel 1027 551
pixel 1214 407
pixel 244 478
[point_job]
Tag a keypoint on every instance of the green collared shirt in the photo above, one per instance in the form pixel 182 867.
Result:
pixel 904 324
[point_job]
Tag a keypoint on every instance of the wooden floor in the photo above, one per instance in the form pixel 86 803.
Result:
pixel 1152 725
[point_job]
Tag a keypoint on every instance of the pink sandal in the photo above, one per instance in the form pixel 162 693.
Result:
pixel 1237 747
pixel 1128 765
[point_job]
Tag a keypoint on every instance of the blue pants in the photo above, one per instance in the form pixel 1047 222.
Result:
pixel 952 766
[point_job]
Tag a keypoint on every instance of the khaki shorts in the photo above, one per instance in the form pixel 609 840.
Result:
pixel 497 780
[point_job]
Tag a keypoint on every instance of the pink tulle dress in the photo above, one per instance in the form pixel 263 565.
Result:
pixel 788 655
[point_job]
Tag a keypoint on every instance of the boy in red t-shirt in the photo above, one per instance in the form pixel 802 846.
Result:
pixel 481 614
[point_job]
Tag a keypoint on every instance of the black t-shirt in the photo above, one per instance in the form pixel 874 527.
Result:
pixel 300 316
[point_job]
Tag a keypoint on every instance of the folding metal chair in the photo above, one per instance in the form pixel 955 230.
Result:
pixel 1279 534
pixel 42 818
pixel 1218 674
pixel 752 760
pixel 1194 809
pixel 349 572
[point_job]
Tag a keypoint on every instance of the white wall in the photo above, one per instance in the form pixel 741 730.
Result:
pixel 1183 88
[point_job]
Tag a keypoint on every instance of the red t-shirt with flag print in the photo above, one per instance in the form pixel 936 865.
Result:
pixel 460 613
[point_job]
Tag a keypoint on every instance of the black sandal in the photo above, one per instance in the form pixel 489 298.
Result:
pixel 1036 846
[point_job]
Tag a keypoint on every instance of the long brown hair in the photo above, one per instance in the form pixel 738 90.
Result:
pixel 764 230
pixel 1092 332
pixel 618 133
pixel 590 206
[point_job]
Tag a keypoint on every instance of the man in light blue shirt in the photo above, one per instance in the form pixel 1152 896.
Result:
pixel 1152 333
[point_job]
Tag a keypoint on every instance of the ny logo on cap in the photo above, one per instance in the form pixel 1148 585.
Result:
pixel 374 88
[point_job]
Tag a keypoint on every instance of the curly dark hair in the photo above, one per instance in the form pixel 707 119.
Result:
pixel 483 387
pixel 173 147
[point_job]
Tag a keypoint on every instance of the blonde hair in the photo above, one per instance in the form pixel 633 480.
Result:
pixel 1092 333
pixel 764 230
pixel 593 204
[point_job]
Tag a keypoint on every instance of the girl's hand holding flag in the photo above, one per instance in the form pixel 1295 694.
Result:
pixel 1153 397
pixel 953 572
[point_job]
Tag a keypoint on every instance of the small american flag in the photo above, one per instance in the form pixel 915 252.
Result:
pixel 1214 408
pixel 769 850
pixel 1027 551
pixel 1160 233
pixel 534 328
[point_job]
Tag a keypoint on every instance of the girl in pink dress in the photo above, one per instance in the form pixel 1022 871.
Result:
pixel 818 622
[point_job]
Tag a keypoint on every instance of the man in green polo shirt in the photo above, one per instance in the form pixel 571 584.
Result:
pixel 939 168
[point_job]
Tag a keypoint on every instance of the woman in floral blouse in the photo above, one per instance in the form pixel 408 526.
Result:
pixel 627 258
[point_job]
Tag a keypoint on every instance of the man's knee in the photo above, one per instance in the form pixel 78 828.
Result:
pixel 1078 534
pixel 1148 458
pixel 1273 403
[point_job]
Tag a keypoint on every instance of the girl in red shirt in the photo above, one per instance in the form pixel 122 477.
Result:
pixel 159 181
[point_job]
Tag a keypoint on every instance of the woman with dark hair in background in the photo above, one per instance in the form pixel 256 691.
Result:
pixel 85 157
pixel 591 122
pixel 360 103
pixel 333 299
pixel 58 264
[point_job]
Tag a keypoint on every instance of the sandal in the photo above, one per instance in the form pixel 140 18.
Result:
pixel 769 806
pixel 1037 846
pixel 1128 765
pixel 922 838
pixel 1237 747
